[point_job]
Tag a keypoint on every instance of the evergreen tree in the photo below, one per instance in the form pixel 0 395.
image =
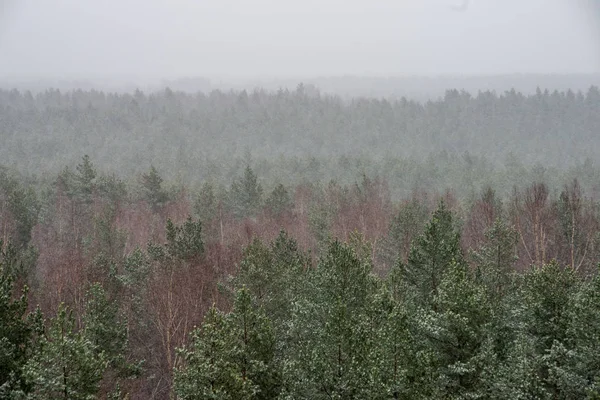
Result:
pixel 517 376
pixel 496 258
pixel 154 193
pixel 575 361
pixel 207 372
pixel 405 227
pixel 330 353
pixel 206 203
pixel 256 271
pixel 107 331
pixel 273 275
pixel 456 329
pixel 23 209
pixel 67 365
pixel 278 201
pixel 433 253
pixel 395 354
pixel 108 245
pixel 246 195
pixel 18 330
pixel 546 293
pixel 542 311
pixel 232 356
pixel 112 188
pixel 85 180
pixel 184 242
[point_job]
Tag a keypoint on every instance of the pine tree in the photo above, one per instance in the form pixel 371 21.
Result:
pixel 246 195
pixel 19 205
pixel 67 364
pixel 575 361
pixel 405 227
pixel 541 309
pixel 107 331
pixel 207 371
pixel 206 203
pixel 232 356
pixel 113 188
pixel 433 253
pixel 18 330
pixel 575 216
pixel 455 330
pixel 393 354
pixel 256 271
pixel 85 180
pixel 546 294
pixel 496 258
pixel 278 201
pixel 154 193
pixel 273 275
pixel 184 242
pixel 329 355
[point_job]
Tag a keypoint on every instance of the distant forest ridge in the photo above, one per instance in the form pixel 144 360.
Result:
pixel 300 134
pixel 420 88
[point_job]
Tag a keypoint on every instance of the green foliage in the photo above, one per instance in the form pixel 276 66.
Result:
pixel 405 227
pixel 18 330
pixel 232 356
pixel 17 263
pixel 80 185
pixel 546 294
pixel 256 271
pixel 331 338
pixel 246 195
pixel 18 204
pixel 319 219
pixel 279 201
pixel 135 271
pixel 168 128
pixel 207 373
pixel 397 362
pixel 85 179
pixel 496 258
pixel 456 330
pixel 206 204
pixel 85 182
pixel 153 191
pixel 113 188
pixel 273 275
pixel 535 358
pixel 109 240
pixel 184 242
pixel 322 211
pixel 106 328
pixel 433 253
pixel 67 365
pixel 431 328
pixel 578 372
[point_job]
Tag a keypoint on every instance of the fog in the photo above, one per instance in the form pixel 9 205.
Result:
pixel 238 39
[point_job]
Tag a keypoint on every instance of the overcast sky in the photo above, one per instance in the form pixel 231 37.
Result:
pixel 153 39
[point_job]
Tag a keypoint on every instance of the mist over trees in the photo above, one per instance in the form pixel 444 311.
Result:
pixel 190 135
pixel 297 245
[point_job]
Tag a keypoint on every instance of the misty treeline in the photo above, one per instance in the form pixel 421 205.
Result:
pixel 297 134
pixel 261 289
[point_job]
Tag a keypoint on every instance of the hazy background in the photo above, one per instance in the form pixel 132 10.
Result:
pixel 145 41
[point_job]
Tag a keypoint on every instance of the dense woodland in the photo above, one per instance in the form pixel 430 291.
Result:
pixel 291 245
pixel 301 135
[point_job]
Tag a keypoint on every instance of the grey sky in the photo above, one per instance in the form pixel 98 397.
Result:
pixel 151 39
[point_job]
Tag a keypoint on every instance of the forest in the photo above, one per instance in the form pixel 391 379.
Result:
pixel 295 245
